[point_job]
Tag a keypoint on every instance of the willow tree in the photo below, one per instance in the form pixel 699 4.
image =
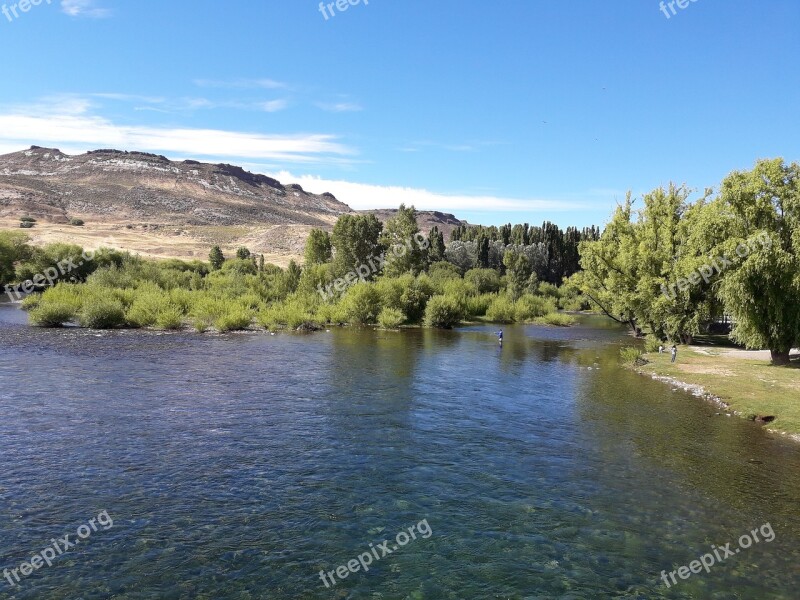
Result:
pixel 760 212
pixel 611 268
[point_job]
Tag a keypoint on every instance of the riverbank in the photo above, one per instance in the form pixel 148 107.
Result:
pixel 741 382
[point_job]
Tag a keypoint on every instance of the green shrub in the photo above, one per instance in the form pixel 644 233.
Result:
pixel 530 307
pixel 31 302
pixel 651 344
pixel 146 307
pixel 206 311
pixel 234 319
pixel 53 314
pixel 27 219
pixel 182 299
pixel 391 290
pixel 101 313
pixel 415 297
pixel 76 222
pixel 557 319
pixel 26 224
pixel 171 318
pixel 442 312
pixel 631 356
pixel 362 304
pixel 485 280
pixel 55 307
pixel 548 289
pixel 241 266
pixel 501 310
pixel 439 271
pixel 291 314
pixel 478 305
pixel 391 318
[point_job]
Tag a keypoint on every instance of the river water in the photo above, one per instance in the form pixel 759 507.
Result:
pixel 240 466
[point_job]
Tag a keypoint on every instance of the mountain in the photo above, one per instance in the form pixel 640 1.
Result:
pixel 158 207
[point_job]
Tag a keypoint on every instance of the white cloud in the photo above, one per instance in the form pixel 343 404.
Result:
pixel 361 196
pixel 273 105
pixel 72 126
pixel 340 106
pixel 83 8
pixel 241 84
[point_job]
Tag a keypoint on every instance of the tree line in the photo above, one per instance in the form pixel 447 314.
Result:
pixel 556 250
pixel 673 268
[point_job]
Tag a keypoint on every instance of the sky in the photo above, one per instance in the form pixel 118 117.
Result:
pixel 504 111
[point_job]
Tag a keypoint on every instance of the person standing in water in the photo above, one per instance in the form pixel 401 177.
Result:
pixel 500 337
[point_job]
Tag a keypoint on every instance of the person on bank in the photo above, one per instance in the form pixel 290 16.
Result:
pixel 674 352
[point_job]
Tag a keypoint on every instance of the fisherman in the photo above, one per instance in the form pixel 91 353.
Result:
pixel 500 337
pixel 674 352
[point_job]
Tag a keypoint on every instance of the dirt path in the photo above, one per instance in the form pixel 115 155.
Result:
pixel 739 354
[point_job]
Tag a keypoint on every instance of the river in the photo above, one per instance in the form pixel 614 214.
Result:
pixel 240 466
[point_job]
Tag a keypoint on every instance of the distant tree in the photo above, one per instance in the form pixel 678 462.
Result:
pixel 462 254
pixel 400 238
pixel 437 246
pixel 518 269
pixel 216 258
pixel 293 274
pixel 243 253
pixel 483 252
pixel 318 248
pixel 355 242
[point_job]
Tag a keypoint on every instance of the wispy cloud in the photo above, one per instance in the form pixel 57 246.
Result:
pixel 361 196
pixel 84 8
pixel 166 105
pixel 242 84
pixel 129 97
pixel 339 107
pixel 273 105
pixel 450 147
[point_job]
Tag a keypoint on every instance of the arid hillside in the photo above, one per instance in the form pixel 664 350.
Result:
pixel 157 207
pixel 160 208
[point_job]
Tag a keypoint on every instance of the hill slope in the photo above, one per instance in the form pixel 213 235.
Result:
pixel 157 207
pixel 160 208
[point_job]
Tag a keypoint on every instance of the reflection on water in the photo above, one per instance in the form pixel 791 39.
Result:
pixel 239 466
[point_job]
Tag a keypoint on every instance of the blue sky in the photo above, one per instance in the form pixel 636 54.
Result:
pixel 512 110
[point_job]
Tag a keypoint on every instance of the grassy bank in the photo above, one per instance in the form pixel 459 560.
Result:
pixel 750 386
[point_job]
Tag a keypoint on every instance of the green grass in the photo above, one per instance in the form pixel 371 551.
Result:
pixel 751 387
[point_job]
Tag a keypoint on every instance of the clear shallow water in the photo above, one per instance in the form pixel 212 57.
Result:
pixel 239 466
